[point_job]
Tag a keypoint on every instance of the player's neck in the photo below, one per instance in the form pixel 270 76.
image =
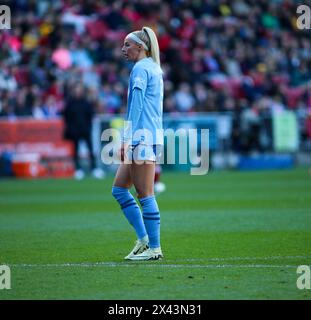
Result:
pixel 141 56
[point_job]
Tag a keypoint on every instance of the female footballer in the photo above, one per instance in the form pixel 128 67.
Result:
pixel 141 140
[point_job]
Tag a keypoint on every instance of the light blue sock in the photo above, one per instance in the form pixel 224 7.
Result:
pixel 151 217
pixel 130 209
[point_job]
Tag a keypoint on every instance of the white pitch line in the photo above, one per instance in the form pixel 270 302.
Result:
pixel 170 264
pixel 240 258
pixel 155 265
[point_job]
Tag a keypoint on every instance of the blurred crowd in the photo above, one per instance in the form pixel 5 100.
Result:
pixel 243 56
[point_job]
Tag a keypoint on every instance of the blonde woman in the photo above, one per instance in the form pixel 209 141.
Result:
pixel 141 141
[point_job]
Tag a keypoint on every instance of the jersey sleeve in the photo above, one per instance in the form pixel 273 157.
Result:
pixel 139 79
pixel 134 114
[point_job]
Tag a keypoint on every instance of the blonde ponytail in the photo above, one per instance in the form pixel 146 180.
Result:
pixel 149 38
pixel 154 46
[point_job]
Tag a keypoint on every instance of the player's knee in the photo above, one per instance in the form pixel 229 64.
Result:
pixel 142 193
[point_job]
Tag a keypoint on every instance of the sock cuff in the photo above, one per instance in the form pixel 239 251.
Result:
pixel 119 189
pixel 145 199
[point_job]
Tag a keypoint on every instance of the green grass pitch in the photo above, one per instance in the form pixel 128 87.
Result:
pixel 225 235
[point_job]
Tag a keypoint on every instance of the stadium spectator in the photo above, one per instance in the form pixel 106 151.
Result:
pixel 183 98
pixel 78 114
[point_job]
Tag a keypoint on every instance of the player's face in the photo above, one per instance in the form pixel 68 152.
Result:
pixel 131 50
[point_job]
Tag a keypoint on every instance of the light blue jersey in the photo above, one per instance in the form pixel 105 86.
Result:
pixel 145 104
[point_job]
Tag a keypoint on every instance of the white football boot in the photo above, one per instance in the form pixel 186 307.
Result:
pixel 149 254
pixel 140 247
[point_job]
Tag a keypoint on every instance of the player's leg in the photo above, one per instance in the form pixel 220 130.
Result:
pixel 157 175
pixel 123 176
pixel 131 210
pixel 143 180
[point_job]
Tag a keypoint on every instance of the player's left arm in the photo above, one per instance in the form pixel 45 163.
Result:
pixel 138 88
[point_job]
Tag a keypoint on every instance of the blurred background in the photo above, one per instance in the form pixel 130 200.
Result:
pixel 240 68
